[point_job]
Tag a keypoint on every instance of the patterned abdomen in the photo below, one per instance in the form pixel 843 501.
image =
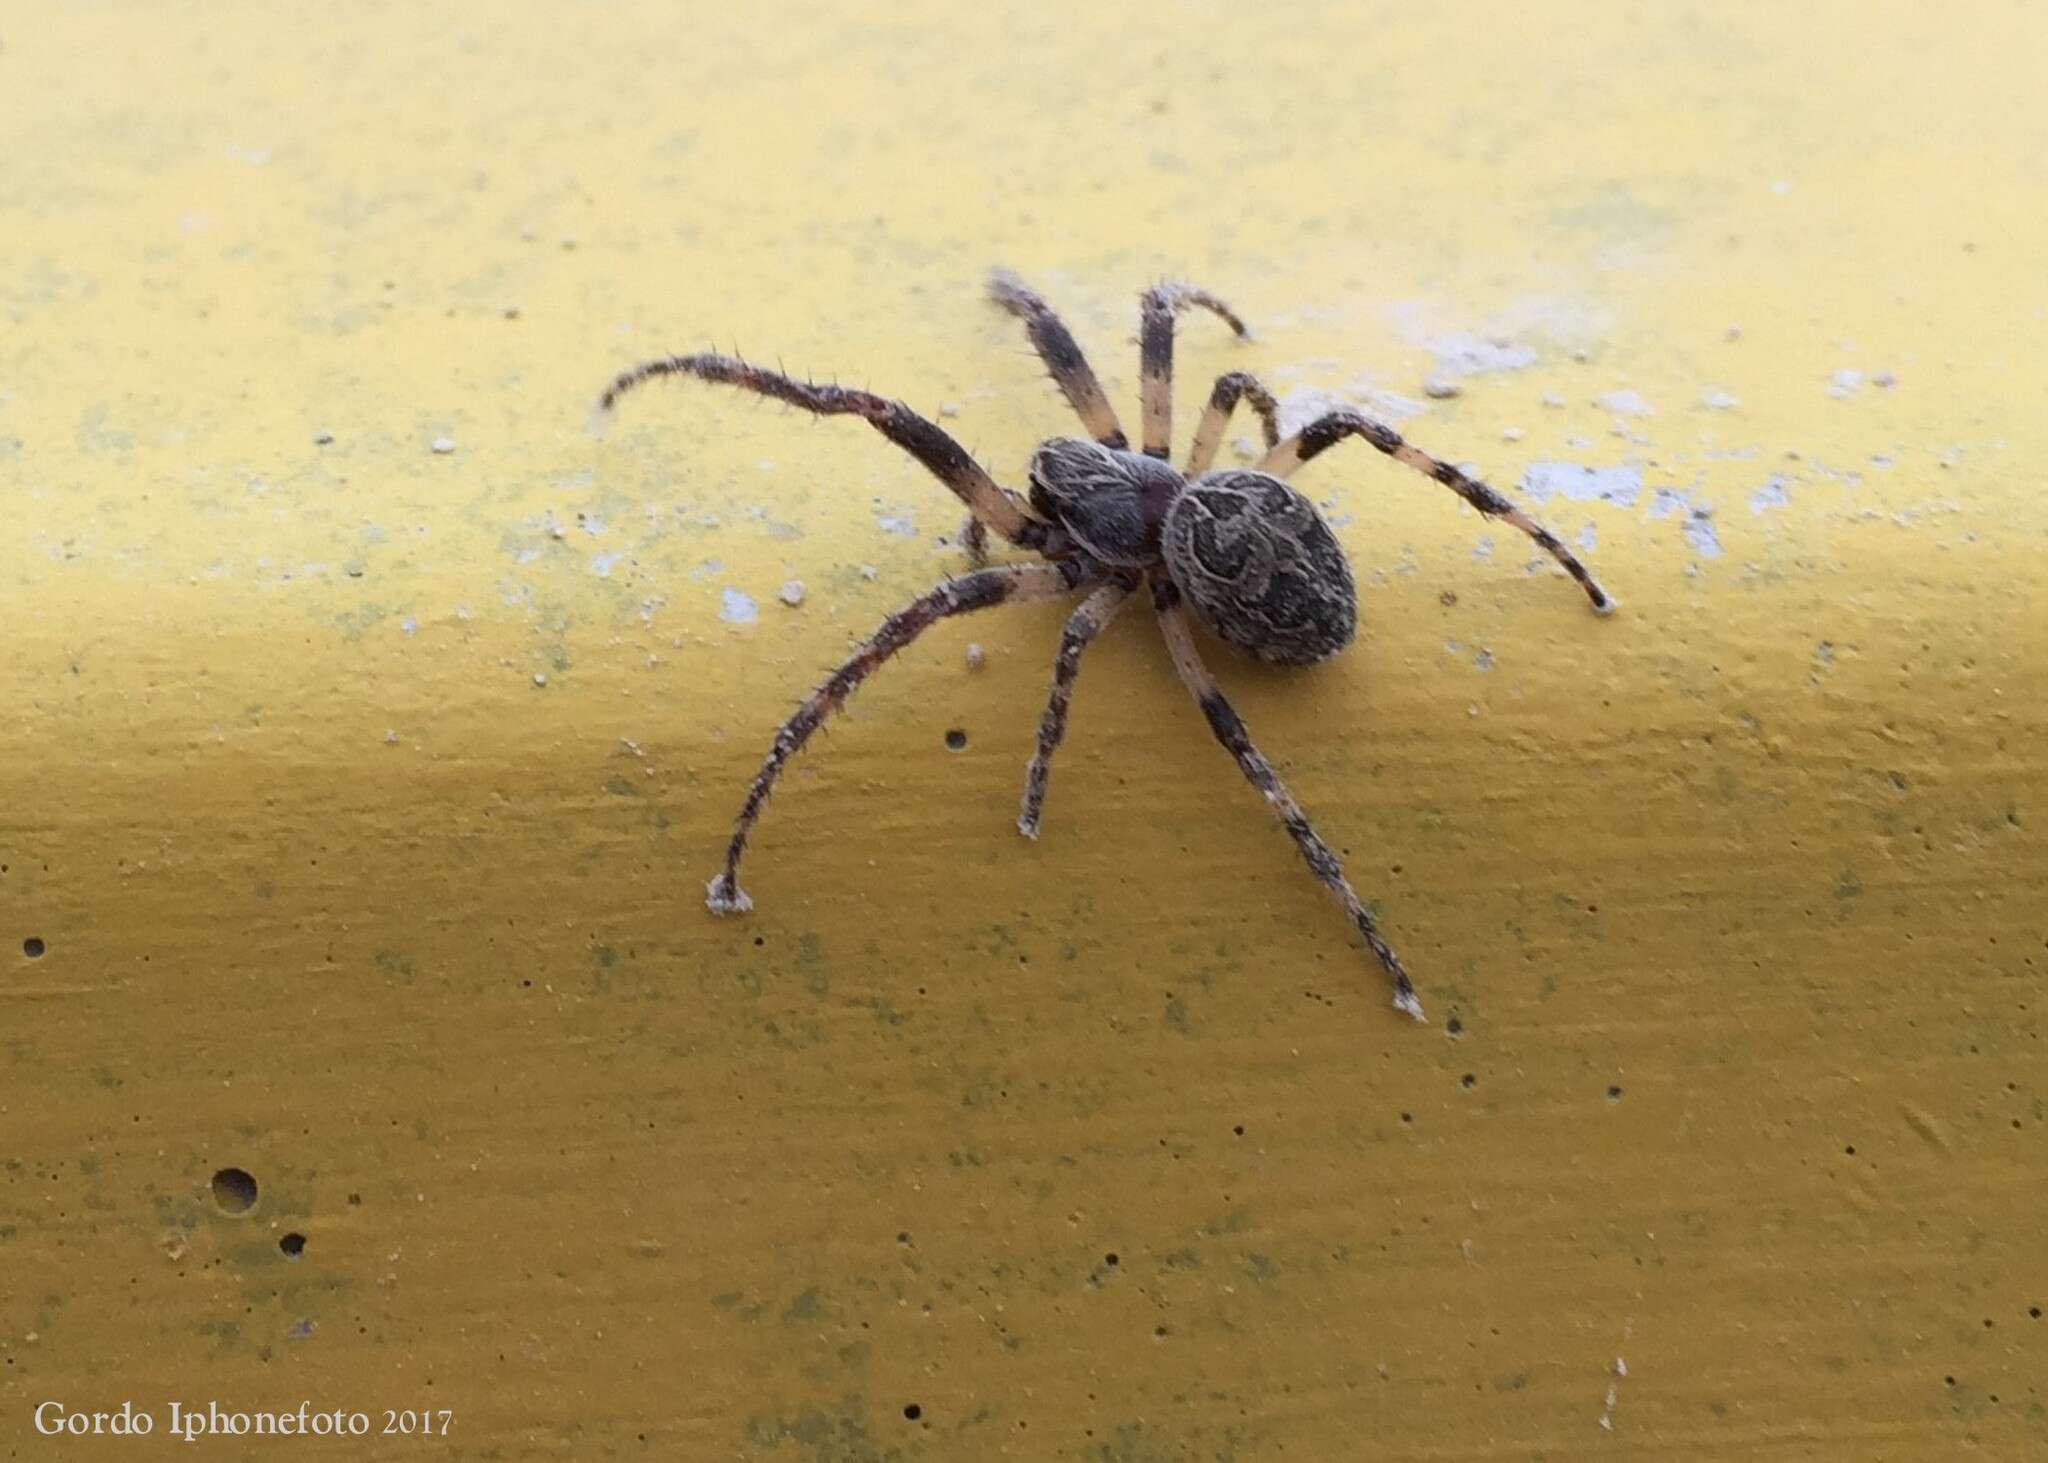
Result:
pixel 1260 567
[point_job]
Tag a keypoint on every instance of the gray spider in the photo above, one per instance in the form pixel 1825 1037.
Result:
pixel 1247 553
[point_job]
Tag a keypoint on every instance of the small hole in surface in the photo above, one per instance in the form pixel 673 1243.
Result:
pixel 956 740
pixel 1468 1080
pixel 1614 1093
pixel 33 947
pixel 294 1245
pixel 1110 1258
pixel 234 1189
pixel 913 1412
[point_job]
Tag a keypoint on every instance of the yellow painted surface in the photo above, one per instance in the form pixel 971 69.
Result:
pixel 363 794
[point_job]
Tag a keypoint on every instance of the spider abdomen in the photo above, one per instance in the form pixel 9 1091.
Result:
pixel 1260 567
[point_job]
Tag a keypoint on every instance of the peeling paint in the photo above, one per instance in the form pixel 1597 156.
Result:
pixel 1577 483
pixel 1626 403
pixel 1699 532
pixel 1773 494
pixel 736 608
pixel 1667 503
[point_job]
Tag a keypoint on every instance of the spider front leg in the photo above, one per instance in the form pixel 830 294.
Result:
pixel 1230 730
pixel 946 459
pixel 1327 431
pixel 1083 626
pixel 1223 400
pixel 1056 347
pixel 1156 309
pixel 971 592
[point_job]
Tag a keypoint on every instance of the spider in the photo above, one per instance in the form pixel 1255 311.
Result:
pixel 1237 549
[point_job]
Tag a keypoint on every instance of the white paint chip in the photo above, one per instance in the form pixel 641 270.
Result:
pixel 736 608
pixel 792 593
pixel 1772 494
pixel 1542 481
pixel 444 445
pixel 1626 403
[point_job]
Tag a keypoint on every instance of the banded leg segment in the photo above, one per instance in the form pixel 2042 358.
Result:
pixel 944 458
pixel 975 591
pixel 1156 309
pixel 1327 431
pixel 1056 347
pixel 974 542
pixel 1086 623
pixel 1230 730
pixel 1229 390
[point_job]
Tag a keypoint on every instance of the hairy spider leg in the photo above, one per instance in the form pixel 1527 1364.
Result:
pixel 975 591
pixel 1230 730
pixel 1088 621
pixel 1326 431
pixel 1056 347
pixel 1230 387
pixel 1156 309
pixel 946 459
pixel 974 542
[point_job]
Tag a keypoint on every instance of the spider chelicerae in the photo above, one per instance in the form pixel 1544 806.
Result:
pixel 1243 551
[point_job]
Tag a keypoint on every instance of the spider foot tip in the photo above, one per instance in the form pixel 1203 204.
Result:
pixel 599 422
pixel 723 895
pixel 1408 1002
pixel 1029 828
pixel 1606 605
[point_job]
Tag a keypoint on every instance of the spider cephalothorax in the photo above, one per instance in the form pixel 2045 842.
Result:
pixel 1240 547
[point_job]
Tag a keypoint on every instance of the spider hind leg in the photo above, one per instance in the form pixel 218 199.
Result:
pixel 1230 730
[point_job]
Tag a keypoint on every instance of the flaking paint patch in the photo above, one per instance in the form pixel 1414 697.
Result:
pixel 1462 354
pixel 1773 494
pixel 1668 503
pixel 1699 532
pixel 1626 403
pixel 1577 483
pixel 736 607
pixel 1697 520
pixel 1304 404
